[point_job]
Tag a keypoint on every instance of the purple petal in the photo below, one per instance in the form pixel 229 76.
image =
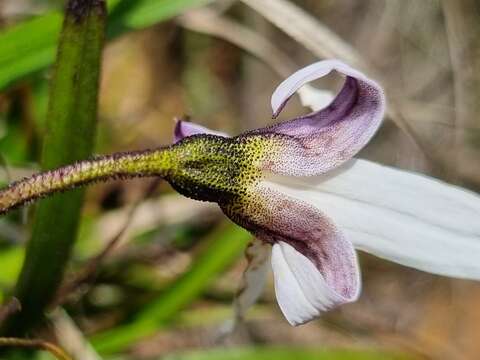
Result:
pixel 315 267
pixel 186 128
pixel 324 139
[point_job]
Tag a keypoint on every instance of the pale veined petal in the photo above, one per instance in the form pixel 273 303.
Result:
pixel 301 290
pixel 254 277
pixel 401 216
pixel 315 99
pixel 186 128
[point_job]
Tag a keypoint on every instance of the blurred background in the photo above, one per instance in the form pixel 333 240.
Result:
pixel 165 289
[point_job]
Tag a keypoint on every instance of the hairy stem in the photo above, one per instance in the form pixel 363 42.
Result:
pixel 157 162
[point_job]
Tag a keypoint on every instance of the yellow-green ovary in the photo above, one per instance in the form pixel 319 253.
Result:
pixel 218 169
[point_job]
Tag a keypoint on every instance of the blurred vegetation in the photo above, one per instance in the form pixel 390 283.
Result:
pixel 152 274
pixel 69 137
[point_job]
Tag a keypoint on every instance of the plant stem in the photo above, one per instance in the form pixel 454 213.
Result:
pixel 120 165
pixel 36 344
pixel 70 136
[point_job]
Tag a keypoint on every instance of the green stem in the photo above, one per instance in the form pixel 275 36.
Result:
pixel 156 162
pixel 69 137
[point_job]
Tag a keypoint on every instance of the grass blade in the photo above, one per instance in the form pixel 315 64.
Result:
pixel 224 247
pixel 30 46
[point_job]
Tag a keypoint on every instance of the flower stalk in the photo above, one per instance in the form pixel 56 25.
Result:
pixel 120 165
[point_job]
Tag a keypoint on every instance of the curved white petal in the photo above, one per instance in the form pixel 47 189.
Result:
pixel 405 217
pixel 315 99
pixel 254 277
pixel 301 290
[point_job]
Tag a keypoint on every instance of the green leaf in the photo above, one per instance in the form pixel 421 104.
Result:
pixel 222 249
pixel 70 135
pixel 30 46
pixel 11 261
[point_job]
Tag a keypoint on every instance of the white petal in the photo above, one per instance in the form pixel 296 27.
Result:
pixel 405 217
pixel 302 292
pixel 315 99
pixel 254 277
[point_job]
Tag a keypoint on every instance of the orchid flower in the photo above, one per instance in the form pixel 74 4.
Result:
pixel 296 187
pixel 315 203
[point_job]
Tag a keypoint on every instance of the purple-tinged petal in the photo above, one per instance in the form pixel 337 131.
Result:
pixel 315 267
pixel 186 128
pixel 322 140
pixel 290 85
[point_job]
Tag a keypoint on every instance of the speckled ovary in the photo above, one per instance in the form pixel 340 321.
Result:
pixel 222 170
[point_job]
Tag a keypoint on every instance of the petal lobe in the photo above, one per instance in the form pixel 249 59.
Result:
pixel 315 267
pixel 324 139
pixel 186 128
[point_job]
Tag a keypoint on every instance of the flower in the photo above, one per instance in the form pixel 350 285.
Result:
pixel 304 194
pixel 296 187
